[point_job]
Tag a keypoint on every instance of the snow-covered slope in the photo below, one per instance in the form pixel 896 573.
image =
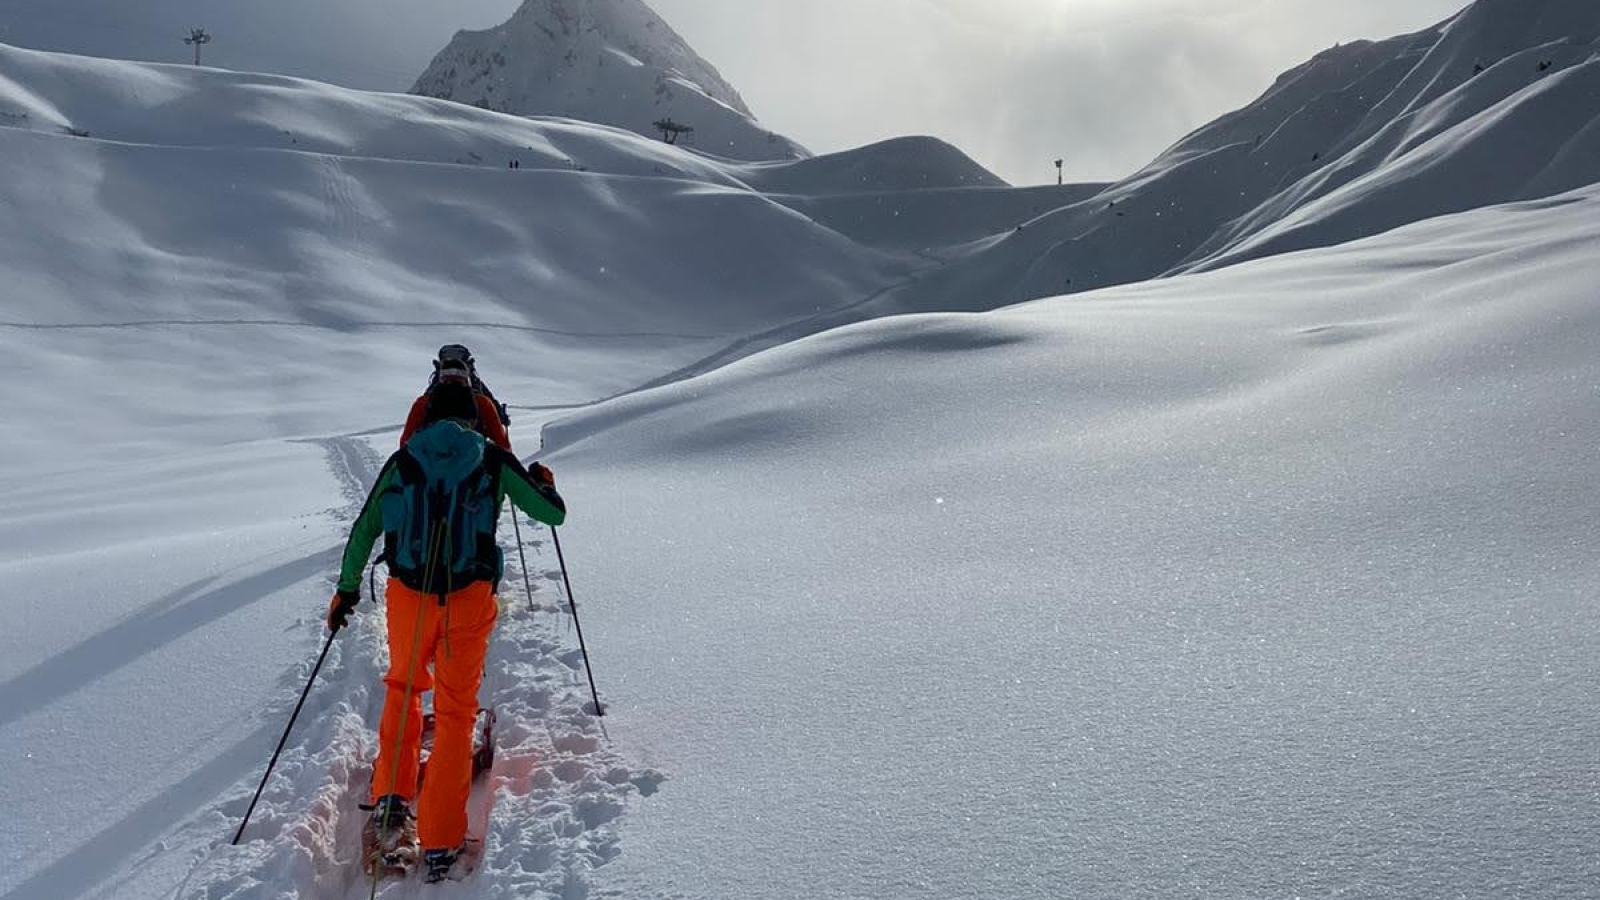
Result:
pixel 184 106
pixel 165 614
pixel 1495 105
pixel 174 205
pixel 1271 580
pixel 898 164
pixel 1275 581
pixel 1500 106
pixel 204 203
pixel 609 61
pixel 1268 581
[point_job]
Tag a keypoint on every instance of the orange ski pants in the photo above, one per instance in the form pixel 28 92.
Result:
pixel 439 647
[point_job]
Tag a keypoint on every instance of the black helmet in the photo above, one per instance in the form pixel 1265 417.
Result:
pixel 455 353
pixel 454 365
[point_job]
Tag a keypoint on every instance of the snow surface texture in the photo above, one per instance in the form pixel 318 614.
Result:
pixel 554 791
pixel 1270 582
pixel 156 728
pixel 610 61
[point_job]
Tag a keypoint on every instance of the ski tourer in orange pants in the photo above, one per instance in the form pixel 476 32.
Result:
pixel 451 639
pixel 437 504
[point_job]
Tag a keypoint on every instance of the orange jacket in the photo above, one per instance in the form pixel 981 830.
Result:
pixel 489 424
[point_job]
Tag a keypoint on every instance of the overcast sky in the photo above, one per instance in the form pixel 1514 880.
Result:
pixel 1105 84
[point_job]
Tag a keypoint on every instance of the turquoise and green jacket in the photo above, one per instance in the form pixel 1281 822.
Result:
pixel 510 478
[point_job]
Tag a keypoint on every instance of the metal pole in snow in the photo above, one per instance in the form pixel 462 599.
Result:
pixel 572 603
pixel 285 739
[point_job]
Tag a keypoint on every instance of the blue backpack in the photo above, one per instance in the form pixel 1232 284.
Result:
pixel 440 511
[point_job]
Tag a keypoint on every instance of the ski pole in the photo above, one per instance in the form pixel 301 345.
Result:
pixel 522 555
pixel 572 603
pixel 283 740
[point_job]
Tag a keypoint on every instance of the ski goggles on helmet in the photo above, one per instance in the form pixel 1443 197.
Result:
pixel 454 353
pixel 454 373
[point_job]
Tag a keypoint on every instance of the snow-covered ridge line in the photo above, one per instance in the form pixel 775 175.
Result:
pixel 158 104
pixel 1496 105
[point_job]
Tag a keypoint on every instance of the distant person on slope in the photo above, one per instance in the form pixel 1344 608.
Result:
pixel 436 502
pixel 455 365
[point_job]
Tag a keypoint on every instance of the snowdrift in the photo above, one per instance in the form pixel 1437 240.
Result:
pixel 1270 581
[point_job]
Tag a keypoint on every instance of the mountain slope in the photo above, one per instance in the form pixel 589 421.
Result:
pixel 609 61
pixel 226 219
pixel 234 220
pixel 1494 105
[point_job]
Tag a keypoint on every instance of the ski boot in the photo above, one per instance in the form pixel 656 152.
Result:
pixel 389 841
pixel 439 864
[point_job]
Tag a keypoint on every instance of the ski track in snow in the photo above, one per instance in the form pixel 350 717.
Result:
pixel 557 789
pixel 355 467
pixel 350 325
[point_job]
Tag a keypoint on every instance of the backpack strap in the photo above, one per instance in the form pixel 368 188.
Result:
pixel 480 388
pixel 402 520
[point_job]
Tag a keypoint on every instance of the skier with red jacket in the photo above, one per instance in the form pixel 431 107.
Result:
pixel 455 365
pixel 436 504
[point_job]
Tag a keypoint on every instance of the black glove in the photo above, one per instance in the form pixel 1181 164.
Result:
pixel 340 607
pixel 542 476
